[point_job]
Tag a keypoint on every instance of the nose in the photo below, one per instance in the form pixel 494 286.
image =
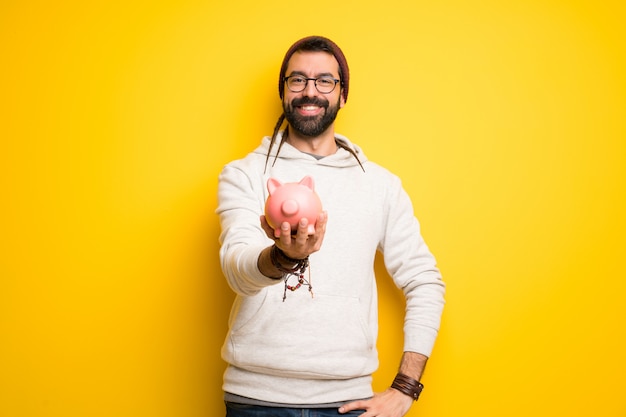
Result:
pixel 310 89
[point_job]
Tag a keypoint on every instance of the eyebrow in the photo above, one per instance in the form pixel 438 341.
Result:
pixel 323 74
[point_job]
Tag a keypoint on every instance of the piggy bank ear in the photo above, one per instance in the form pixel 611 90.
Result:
pixel 308 182
pixel 273 184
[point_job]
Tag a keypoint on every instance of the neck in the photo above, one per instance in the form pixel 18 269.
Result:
pixel 322 145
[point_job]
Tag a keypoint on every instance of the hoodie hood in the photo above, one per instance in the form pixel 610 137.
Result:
pixel 341 158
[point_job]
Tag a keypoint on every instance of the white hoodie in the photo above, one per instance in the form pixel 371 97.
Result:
pixel 321 349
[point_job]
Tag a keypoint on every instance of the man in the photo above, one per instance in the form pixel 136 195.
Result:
pixel 304 323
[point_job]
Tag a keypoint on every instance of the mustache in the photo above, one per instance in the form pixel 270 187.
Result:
pixel 315 101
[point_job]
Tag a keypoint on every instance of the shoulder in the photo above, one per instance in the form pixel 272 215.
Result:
pixel 377 172
pixel 250 163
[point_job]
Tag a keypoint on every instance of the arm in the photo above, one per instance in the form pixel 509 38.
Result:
pixel 413 364
pixel 413 269
pixel 246 241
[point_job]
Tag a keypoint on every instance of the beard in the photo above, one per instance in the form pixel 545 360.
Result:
pixel 310 126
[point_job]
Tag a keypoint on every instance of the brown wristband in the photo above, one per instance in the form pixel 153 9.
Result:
pixel 407 385
pixel 276 255
pixel 282 256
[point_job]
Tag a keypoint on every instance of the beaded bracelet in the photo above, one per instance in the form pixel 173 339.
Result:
pixel 407 385
pixel 300 266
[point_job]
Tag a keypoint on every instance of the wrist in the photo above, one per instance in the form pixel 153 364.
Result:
pixel 284 263
pixel 408 386
pixel 283 258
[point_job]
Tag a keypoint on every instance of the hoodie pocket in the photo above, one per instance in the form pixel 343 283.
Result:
pixel 323 337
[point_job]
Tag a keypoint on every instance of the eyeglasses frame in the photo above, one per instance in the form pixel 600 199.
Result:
pixel 307 79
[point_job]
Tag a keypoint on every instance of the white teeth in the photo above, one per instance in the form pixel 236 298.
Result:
pixel 308 108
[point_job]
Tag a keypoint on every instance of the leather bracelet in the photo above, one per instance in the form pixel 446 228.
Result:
pixel 408 386
pixel 298 264
pixel 283 255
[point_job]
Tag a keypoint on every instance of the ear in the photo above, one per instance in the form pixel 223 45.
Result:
pixel 342 100
pixel 273 184
pixel 308 182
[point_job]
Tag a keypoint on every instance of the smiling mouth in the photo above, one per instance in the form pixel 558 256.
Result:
pixel 309 110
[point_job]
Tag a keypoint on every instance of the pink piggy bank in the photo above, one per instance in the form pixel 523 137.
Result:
pixel 291 202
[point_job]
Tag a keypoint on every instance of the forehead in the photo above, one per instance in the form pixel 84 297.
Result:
pixel 313 63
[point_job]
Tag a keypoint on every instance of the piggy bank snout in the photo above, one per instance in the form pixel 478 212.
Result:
pixel 290 207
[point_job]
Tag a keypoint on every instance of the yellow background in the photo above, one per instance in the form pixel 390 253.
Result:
pixel 505 119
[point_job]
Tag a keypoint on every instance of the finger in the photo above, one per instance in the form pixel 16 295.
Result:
pixel 355 405
pixel 322 220
pixel 302 233
pixel 285 234
pixel 320 231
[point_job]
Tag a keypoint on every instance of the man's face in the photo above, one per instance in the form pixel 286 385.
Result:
pixel 310 112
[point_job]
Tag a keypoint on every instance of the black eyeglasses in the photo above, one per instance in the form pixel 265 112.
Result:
pixel 297 83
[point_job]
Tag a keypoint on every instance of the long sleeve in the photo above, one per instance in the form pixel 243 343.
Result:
pixel 414 270
pixel 242 238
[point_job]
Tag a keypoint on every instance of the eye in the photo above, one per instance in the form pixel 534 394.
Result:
pixel 296 80
pixel 326 82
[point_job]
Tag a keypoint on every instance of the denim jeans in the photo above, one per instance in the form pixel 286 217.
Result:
pixel 244 410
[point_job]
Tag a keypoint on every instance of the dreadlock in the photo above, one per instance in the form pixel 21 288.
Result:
pixel 347 148
pixel 281 119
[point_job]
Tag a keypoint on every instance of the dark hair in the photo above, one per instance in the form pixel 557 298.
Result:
pixel 311 44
